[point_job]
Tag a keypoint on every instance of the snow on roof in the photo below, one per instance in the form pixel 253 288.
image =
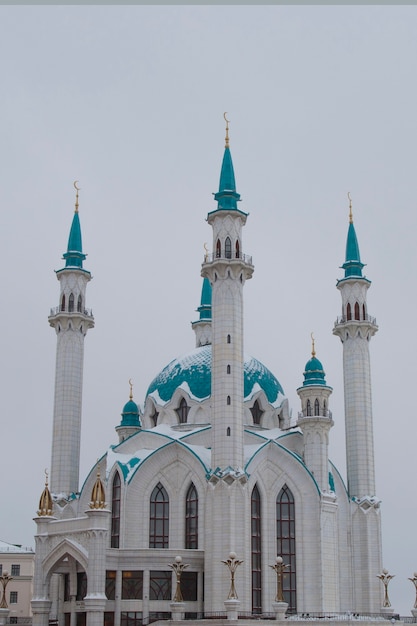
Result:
pixel 14 549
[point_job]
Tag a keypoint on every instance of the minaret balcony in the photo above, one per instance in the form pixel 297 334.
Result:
pixel 212 256
pixel 304 414
pixel 365 320
pixel 57 311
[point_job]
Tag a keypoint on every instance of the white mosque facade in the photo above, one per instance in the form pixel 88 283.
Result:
pixel 212 465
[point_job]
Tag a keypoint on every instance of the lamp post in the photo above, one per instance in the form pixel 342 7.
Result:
pixel 414 581
pixel 5 579
pixel 232 563
pixel 279 568
pixel 178 567
pixel 385 579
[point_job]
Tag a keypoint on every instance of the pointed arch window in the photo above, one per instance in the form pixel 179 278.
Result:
pixel 183 411
pixel 71 303
pixel 348 312
pixel 324 408
pixel 229 339
pixel 308 407
pixel 159 518
pixel 228 369
pixel 237 249
pixel 218 249
pixel 154 417
pixel 63 302
pixel 363 312
pixel 286 544
pixel 228 248
pixel 228 400
pixel 256 551
pixel 357 316
pixel 191 518
pixel 316 407
pixel 115 512
pixel 79 304
pixel 256 412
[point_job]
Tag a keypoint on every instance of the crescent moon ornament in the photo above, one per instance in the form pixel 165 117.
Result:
pixel 227 129
pixel 75 185
pixel 225 118
pixel 131 388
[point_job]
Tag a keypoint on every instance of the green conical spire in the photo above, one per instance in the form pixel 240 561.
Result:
pixel 205 304
pixel 227 197
pixel 352 264
pixel 74 256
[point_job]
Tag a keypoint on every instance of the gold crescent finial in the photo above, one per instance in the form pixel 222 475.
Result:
pixel 350 209
pixel 227 129
pixel 131 389
pixel 313 351
pixel 77 189
pixel 46 476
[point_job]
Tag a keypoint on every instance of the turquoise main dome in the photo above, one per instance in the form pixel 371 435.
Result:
pixel 192 372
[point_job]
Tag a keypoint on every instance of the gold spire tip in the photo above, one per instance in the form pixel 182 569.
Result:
pixel 313 351
pixel 131 389
pixel 350 209
pixel 77 189
pixel 227 129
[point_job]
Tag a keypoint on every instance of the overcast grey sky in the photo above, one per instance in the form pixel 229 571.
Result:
pixel 129 101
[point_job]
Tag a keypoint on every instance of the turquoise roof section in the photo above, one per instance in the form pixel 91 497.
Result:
pixel 227 197
pixel 74 256
pixel 192 372
pixel 352 264
pixel 130 414
pixel 314 373
pixel 205 304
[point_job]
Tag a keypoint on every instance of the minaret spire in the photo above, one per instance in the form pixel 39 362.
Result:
pixel 202 327
pixel 71 320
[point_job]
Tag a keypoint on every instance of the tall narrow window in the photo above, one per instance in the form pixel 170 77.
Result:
pixel 308 407
pixel 183 411
pixel 228 248
pixel 228 369
pixel 316 407
pixel 348 312
pixel 363 312
pixel 324 408
pixel 229 339
pixel 228 400
pixel 228 431
pixel 357 317
pixel 63 302
pixel 256 551
pixel 159 518
pixel 191 518
pixel 154 417
pixel 218 249
pixel 286 544
pixel 237 249
pixel 79 303
pixel 115 512
pixel 71 303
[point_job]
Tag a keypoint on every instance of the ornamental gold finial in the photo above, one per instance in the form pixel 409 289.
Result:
pixel 350 209
pixel 227 129
pixel 131 389
pixel 77 189
pixel 313 351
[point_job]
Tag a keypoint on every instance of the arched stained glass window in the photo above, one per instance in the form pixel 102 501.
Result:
pixel 286 544
pixel 159 518
pixel 115 512
pixel 256 551
pixel 191 518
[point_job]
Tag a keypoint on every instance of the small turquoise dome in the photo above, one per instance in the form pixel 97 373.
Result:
pixel 130 414
pixel 314 373
pixel 192 372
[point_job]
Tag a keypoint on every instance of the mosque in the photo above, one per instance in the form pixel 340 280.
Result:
pixel 211 474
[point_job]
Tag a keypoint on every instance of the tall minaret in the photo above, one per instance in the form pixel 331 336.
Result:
pixel 355 328
pixel 71 320
pixel 202 327
pixel 227 269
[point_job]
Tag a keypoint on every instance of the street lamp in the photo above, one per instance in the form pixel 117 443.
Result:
pixel 279 568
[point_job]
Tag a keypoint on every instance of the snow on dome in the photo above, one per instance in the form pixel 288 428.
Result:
pixel 192 372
